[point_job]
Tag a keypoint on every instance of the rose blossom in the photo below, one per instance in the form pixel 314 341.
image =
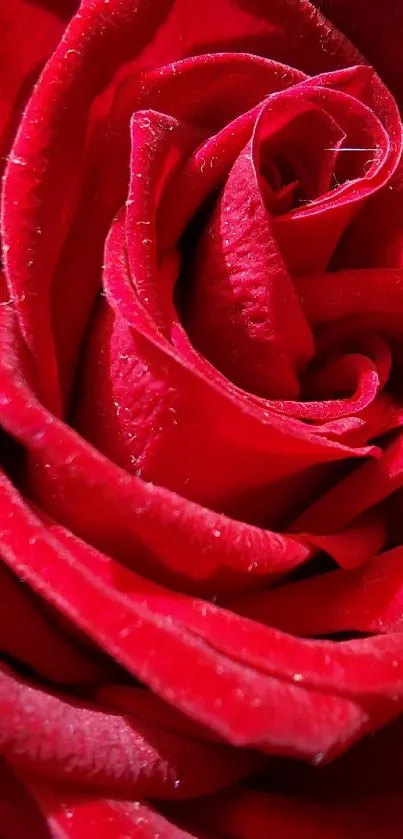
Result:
pixel 201 408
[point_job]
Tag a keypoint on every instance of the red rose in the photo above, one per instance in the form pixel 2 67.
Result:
pixel 201 404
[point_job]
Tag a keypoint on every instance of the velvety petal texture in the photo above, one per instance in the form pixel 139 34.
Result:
pixel 201 410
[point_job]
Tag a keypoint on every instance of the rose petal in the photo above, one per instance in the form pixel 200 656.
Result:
pixel 62 738
pixel 340 294
pixel 33 639
pixel 29 32
pixel 77 816
pixel 369 600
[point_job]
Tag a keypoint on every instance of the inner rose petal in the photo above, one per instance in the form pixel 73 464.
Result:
pixel 243 313
pixel 308 234
pixel 350 372
pixel 289 143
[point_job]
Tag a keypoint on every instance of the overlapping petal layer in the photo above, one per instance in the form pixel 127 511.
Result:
pixel 200 374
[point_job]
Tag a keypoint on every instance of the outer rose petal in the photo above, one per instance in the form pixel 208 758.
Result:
pixel 171 532
pixel 84 744
pixel 30 31
pixel 377 35
pixel 370 600
pixel 35 640
pixel 76 816
pixel 242 705
pixel 225 680
pixel 242 814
